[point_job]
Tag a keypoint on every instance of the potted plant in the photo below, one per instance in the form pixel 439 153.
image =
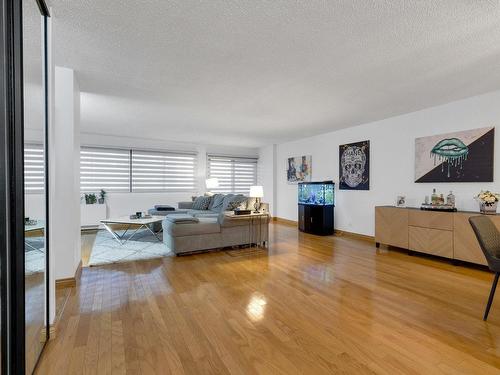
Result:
pixel 488 202
pixel 90 198
pixel 102 196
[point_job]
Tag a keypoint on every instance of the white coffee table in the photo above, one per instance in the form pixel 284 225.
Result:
pixel 126 220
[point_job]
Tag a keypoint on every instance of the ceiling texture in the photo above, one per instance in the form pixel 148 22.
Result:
pixel 258 72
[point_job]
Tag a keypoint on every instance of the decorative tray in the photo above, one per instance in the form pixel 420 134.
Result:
pixel 438 207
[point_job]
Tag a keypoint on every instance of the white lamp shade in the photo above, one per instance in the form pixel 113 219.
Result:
pixel 212 183
pixel 256 191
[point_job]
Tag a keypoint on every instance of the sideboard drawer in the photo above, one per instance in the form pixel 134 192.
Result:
pixel 391 226
pixel 431 219
pixel 431 241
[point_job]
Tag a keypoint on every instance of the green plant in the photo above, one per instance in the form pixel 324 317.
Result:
pixel 90 198
pixel 103 194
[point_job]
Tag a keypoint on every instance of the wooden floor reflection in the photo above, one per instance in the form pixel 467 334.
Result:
pixel 311 305
pixel 35 317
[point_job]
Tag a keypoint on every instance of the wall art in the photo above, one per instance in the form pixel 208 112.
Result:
pixel 299 169
pixel 464 156
pixel 354 166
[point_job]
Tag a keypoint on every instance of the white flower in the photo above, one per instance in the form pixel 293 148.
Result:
pixel 488 197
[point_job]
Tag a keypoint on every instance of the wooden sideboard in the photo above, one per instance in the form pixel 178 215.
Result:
pixel 445 234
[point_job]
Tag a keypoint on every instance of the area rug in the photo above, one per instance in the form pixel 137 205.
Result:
pixel 143 245
pixel 34 255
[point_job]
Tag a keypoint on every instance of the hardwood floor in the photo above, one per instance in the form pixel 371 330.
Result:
pixel 311 305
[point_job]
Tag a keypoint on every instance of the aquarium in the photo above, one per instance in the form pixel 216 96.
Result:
pixel 316 193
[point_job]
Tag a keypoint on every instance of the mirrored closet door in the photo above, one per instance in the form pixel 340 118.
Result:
pixel 35 180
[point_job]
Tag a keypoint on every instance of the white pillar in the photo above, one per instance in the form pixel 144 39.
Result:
pixel 65 237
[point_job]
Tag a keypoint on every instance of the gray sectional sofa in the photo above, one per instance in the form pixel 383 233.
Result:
pixel 211 228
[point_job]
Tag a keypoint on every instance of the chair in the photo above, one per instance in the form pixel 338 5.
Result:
pixel 489 239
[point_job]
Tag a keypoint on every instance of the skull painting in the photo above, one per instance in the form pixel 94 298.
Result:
pixel 354 166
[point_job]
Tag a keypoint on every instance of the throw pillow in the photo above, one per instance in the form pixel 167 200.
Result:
pixel 201 203
pixel 225 203
pixel 251 203
pixel 234 202
pixel 216 203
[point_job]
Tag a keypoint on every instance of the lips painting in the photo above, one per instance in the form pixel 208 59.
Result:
pixel 465 156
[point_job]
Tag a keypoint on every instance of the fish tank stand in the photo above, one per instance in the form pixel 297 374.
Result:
pixel 316 207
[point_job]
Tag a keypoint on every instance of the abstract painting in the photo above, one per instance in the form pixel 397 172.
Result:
pixel 464 156
pixel 354 166
pixel 299 169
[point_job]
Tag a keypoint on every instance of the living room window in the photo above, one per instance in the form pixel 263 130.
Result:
pixel 235 174
pixel 34 170
pixel 163 171
pixel 127 170
pixel 103 168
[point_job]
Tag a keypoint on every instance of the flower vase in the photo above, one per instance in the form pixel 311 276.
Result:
pixel 488 208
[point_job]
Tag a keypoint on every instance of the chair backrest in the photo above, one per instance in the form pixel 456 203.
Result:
pixel 488 237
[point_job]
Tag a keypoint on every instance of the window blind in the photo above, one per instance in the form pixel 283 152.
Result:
pixel 102 168
pixel 34 168
pixel 163 171
pixel 235 174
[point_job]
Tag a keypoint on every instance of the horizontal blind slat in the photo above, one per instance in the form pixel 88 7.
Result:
pixel 163 171
pixel 34 168
pixel 102 168
pixel 235 174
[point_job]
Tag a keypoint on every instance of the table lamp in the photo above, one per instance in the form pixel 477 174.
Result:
pixel 212 183
pixel 256 192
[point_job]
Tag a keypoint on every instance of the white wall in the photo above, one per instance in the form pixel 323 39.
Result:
pixel 64 164
pixel 267 176
pixel 392 143
pixel 128 203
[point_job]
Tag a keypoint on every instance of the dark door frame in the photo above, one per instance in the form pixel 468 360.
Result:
pixel 12 293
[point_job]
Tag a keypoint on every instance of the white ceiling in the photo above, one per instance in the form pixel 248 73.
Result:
pixel 257 72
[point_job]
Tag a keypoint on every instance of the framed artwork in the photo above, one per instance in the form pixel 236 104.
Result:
pixel 354 166
pixel 299 169
pixel 464 156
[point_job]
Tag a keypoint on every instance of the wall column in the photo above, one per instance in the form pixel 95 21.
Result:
pixel 65 236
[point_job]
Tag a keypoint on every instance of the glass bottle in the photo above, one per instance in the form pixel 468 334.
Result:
pixel 434 197
pixel 450 199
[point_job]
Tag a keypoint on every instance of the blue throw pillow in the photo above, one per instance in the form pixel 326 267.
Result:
pixel 201 203
pixel 217 203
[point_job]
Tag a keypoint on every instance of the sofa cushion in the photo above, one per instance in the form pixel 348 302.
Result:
pixel 204 214
pixel 203 226
pixel 155 212
pixel 185 205
pixel 201 203
pixel 181 218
